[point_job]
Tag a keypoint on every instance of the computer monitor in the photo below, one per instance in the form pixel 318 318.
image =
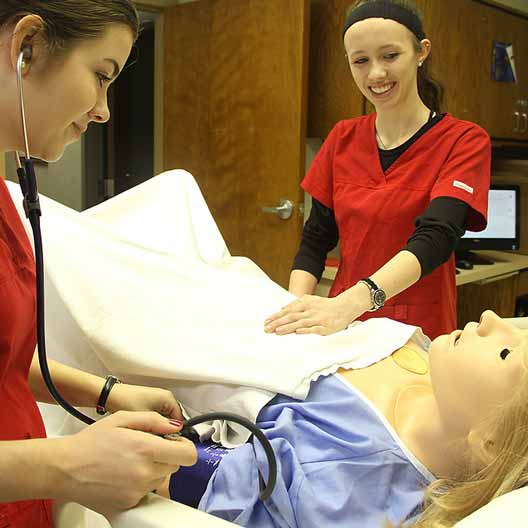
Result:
pixel 503 230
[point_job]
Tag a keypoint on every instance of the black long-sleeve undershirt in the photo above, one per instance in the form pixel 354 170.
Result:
pixel 437 233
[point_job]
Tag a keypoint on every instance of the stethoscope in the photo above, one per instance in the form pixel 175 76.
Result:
pixel 31 203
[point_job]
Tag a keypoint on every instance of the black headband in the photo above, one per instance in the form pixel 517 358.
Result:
pixel 386 9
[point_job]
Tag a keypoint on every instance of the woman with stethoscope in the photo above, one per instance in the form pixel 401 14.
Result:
pixel 66 53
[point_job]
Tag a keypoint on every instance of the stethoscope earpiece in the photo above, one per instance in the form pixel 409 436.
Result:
pixel 26 53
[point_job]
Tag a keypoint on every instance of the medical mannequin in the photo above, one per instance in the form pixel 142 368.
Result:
pixel 397 188
pixel 67 53
pixel 446 406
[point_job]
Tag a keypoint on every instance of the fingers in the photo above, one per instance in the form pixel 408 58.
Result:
pixel 181 452
pixel 316 329
pixel 295 306
pixel 290 314
pixel 170 406
pixel 148 422
pixel 288 323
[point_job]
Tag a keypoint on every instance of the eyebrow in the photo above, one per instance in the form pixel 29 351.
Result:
pixel 117 70
pixel 379 49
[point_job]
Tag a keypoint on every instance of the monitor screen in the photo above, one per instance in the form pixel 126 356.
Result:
pixel 503 229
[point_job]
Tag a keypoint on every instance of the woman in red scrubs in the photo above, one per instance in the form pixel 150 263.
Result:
pixel 397 188
pixel 73 50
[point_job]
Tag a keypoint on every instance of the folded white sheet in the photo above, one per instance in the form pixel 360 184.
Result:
pixel 143 287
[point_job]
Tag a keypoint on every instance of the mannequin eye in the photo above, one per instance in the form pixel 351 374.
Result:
pixel 505 353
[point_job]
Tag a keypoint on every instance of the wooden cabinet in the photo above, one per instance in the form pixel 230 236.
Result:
pixel 462 33
pixel 497 294
pixel 500 111
pixel 520 43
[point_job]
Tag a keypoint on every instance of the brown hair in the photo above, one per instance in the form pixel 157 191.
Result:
pixel 430 91
pixel 69 21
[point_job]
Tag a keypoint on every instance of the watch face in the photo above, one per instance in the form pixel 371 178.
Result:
pixel 379 298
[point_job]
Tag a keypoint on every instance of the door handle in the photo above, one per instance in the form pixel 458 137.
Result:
pixel 284 209
pixel 524 129
pixel 517 121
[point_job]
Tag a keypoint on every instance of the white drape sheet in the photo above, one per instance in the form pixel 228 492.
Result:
pixel 143 287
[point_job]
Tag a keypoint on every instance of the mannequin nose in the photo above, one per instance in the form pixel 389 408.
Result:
pixel 489 320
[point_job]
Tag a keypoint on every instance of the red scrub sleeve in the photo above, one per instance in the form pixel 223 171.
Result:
pixel 319 180
pixel 466 174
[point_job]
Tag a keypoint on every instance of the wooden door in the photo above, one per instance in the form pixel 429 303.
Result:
pixel 235 107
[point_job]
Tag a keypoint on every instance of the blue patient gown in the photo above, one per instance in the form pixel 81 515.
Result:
pixel 339 464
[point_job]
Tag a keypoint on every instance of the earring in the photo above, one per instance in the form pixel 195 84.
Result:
pixel 420 64
pixel 23 64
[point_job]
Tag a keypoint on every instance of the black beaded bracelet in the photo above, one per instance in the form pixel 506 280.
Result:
pixel 110 382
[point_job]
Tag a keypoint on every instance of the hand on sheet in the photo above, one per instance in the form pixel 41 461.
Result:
pixel 311 314
pixel 112 464
pixel 124 397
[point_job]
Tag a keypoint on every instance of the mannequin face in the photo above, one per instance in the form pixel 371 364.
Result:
pixel 65 92
pixel 382 58
pixel 475 370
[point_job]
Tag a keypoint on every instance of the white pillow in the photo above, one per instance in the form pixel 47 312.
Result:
pixel 508 510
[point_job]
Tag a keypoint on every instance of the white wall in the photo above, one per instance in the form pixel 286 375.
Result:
pixel 61 181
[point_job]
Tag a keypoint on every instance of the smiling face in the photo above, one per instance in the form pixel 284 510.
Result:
pixel 384 62
pixel 65 93
pixel 476 370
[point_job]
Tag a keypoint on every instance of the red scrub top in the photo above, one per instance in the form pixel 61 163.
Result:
pixel 375 210
pixel 19 415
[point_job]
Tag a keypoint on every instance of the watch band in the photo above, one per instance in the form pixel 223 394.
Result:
pixel 377 295
pixel 101 403
pixel 370 283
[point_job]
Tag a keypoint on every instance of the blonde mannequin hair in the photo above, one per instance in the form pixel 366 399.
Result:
pixel 448 501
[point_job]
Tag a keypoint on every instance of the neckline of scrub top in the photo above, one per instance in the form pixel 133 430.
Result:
pixel 374 149
pixel 412 458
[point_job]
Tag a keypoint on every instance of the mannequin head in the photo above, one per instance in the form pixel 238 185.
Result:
pixel 480 381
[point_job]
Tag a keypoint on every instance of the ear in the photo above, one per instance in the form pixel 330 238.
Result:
pixel 481 446
pixel 426 50
pixel 27 38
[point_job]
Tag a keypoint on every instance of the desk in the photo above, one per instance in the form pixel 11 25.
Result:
pixel 495 286
pixel 505 264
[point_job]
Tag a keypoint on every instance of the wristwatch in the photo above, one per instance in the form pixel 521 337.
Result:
pixel 377 295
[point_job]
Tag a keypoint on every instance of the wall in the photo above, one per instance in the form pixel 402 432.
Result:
pixel 62 180
pixel 2 165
